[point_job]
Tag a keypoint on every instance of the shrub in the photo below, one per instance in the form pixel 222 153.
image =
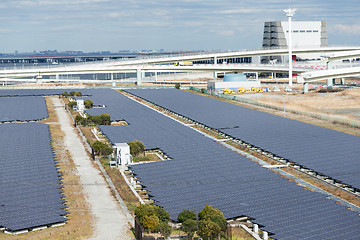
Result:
pixel 72 104
pixel 189 226
pixel 136 148
pixel 72 93
pixel 102 149
pixel 65 94
pixel 164 229
pixel 78 94
pixel 185 215
pixel 88 103
pixel 150 217
pixel 177 85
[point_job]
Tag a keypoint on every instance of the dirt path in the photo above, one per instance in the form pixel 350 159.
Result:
pixel 110 221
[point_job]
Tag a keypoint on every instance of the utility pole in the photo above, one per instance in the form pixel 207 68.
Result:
pixel 289 13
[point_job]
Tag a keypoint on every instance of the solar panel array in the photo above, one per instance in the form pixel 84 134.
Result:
pixel 203 172
pixel 30 190
pixel 30 187
pixel 22 109
pixel 326 151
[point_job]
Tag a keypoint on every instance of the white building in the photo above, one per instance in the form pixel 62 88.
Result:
pixel 305 34
pixel 80 104
pixel 122 154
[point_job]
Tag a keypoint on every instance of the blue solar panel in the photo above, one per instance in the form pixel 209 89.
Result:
pixel 326 151
pixel 202 171
pixel 30 194
pixel 22 109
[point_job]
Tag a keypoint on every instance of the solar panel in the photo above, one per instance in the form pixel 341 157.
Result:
pixel 203 172
pixel 22 109
pixel 326 151
pixel 30 194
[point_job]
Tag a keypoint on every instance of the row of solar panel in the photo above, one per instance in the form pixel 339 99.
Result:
pixel 215 175
pixel 308 145
pixel 30 192
pixel 22 109
pixel 210 173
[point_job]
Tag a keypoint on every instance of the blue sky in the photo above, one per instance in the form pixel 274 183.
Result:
pixel 113 25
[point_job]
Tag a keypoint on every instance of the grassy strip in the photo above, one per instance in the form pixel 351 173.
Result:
pixel 123 189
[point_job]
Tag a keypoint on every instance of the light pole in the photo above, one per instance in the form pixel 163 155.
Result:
pixel 289 13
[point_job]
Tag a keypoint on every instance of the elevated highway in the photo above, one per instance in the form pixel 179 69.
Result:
pixel 312 76
pixel 165 64
pixel 233 54
pixel 101 68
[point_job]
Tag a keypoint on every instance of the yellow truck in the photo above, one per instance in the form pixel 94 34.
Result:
pixel 228 91
pixel 241 90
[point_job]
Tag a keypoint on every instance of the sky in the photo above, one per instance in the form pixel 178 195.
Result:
pixel 113 25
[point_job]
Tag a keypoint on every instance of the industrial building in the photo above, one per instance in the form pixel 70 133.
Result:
pixel 305 34
pixel 233 82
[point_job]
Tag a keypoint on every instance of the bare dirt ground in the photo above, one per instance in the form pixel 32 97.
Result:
pixel 345 104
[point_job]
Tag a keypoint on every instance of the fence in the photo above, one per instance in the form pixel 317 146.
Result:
pixel 351 123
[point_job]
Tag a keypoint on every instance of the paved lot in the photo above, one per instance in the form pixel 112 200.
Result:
pixel 110 221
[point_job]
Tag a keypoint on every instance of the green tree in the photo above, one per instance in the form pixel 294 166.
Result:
pixel 208 229
pixel 185 215
pixel 162 214
pixel 71 104
pixel 150 216
pixel 150 223
pixel 189 226
pixel 78 118
pixel 65 94
pixel 211 222
pixel 177 85
pixel 164 229
pixel 88 103
pixel 102 149
pixel 78 94
pixel 105 119
pixel 136 148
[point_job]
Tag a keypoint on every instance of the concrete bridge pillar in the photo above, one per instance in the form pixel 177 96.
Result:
pixel 306 87
pixel 215 75
pixel 215 60
pixel 342 81
pixel 329 83
pixel 39 79
pixel 138 76
pixel 112 80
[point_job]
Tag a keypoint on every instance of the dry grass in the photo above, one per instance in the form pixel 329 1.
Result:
pixel 122 188
pixel 238 233
pixel 273 99
pixel 79 224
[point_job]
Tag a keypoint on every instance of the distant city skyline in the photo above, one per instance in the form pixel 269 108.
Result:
pixel 114 25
